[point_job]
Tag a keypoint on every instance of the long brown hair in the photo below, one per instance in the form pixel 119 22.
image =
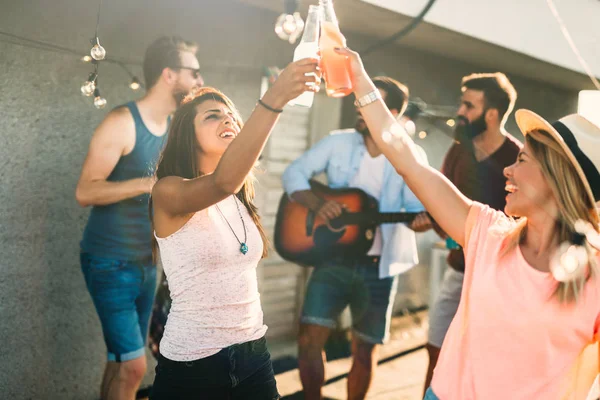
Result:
pixel 179 157
pixel 573 204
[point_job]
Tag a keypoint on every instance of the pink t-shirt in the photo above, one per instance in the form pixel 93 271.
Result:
pixel 510 339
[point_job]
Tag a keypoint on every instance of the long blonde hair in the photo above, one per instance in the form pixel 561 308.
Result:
pixel 573 204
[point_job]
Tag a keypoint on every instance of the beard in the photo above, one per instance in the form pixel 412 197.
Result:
pixel 361 127
pixel 470 130
pixel 179 93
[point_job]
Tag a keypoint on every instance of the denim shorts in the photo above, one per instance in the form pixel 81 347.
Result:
pixel 239 372
pixel 356 283
pixel 123 293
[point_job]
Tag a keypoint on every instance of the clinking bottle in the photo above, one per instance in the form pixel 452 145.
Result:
pixel 308 48
pixel 335 67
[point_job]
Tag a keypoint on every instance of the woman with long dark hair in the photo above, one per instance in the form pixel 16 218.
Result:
pixel 210 241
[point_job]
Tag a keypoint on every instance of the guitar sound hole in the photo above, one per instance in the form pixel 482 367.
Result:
pixel 324 237
pixel 336 224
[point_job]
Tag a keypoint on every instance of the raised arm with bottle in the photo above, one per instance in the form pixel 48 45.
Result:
pixel 439 196
pixel 177 196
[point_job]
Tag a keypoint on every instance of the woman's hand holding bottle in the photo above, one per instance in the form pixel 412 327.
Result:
pixel 298 77
pixel 362 81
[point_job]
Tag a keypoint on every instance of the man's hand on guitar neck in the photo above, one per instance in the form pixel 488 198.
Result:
pixel 421 223
pixel 325 209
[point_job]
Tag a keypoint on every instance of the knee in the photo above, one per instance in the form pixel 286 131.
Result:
pixel 133 371
pixel 309 345
pixel 364 353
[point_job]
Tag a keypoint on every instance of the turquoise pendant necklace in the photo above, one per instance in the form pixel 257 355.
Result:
pixel 243 245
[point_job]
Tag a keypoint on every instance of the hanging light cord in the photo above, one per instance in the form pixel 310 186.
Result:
pixel 403 32
pixel 571 43
pixel 39 45
pixel 98 17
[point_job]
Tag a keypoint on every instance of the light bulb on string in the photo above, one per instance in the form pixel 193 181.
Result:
pixel 569 262
pixel 410 127
pixel 285 26
pixel 289 25
pixel 135 84
pixel 393 134
pixel 299 27
pixel 87 89
pixel 571 259
pixel 99 101
pixel 97 52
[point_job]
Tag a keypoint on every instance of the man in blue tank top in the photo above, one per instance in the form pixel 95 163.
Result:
pixel 116 179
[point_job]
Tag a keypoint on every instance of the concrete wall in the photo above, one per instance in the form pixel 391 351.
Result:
pixel 51 338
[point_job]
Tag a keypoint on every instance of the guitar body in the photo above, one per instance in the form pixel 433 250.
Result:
pixel 302 237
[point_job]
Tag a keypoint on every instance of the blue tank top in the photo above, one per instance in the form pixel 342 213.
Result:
pixel 122 230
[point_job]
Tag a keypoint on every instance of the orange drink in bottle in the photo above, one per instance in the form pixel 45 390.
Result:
pixel 335 67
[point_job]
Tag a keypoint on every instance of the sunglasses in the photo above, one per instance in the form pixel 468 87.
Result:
pixel 195 71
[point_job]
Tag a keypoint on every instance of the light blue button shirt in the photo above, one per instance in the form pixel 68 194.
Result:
pixel 339 155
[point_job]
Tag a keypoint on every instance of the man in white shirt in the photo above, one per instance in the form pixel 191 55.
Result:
pixel 367 284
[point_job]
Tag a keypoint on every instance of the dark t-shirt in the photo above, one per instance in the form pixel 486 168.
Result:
pixel 482 181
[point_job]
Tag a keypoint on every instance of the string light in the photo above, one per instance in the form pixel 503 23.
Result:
pixel 395 131
pixel 569 262
pixel 98 52
pixel 410 127
pixel 571 259
pixel 450 122
pixel 422 135
pixel 135 84
pixel 99 101
pixel 46 46
pixel 289 25
pixel 87 89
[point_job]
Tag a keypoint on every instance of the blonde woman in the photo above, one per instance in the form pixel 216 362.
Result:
pixel 526 323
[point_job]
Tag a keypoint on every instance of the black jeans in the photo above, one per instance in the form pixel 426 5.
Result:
pixel 242 371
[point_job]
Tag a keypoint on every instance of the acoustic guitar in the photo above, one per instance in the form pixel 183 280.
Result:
pixel 304 238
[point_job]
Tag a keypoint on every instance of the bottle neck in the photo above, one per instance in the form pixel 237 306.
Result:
pixel 311 29
pixel 328 11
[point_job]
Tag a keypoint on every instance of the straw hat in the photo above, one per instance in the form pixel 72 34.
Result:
pixel 579 138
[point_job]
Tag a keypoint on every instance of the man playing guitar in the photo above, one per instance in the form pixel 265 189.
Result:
pixel 367 283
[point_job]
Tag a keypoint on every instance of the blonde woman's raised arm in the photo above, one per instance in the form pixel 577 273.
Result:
pixel 440 197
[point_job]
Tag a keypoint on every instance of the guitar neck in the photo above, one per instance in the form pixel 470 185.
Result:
pixel 377 218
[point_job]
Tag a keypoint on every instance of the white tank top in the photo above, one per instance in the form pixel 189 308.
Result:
pixel 214 288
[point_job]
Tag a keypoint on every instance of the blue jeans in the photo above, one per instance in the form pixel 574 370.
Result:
pixel 429 395
pixel 239 372
pixel 123 294
pixel 356 283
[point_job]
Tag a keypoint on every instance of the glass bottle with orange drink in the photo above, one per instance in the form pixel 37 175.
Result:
pixel 335 67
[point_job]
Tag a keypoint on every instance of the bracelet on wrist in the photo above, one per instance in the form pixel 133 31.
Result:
pixel 268 107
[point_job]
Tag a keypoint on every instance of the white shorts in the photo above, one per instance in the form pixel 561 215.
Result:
pixel 445 306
